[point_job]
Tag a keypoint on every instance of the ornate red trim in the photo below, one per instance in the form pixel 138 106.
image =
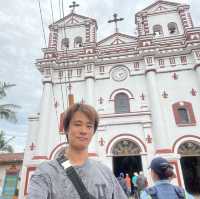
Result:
pixel 188 107
pixel 29 169
pixel 120 135
pixel 182 137
pixel 163 151
pixel 38 157
pixel 121 90
pixel 174 162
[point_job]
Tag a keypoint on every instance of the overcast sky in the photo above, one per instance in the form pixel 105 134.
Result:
pixel 21 40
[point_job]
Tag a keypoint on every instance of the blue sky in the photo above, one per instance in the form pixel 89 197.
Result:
pixel 21 42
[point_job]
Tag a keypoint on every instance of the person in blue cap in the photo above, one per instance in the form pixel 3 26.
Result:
pixel 162 173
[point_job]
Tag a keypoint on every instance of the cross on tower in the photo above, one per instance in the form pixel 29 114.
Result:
pixel 101 142
pixel 165 95
pixel 115 20
pixel 32 146
pixel 142 96
pixel 193 92
pixel 100 100
pixel 73 6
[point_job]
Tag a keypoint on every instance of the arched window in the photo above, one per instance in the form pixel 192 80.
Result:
pixel 64 43
pixel 78 42
pixel 122 103
pixel 172 27
pixel 157 30
pixel 183 114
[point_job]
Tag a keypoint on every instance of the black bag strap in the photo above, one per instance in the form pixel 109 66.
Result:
pixel 76 181
pixel 78 184
pixel 180 192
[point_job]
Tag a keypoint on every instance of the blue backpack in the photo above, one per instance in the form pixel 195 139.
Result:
pixel 175 193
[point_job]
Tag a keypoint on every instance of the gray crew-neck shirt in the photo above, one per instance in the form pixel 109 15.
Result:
pixel 51 182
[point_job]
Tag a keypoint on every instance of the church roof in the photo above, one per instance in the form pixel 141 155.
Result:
pixel 11 157
pixel 117 38
pixel 160 6
pixel 73 18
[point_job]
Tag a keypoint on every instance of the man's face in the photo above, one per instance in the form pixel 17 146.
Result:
pixel 80 131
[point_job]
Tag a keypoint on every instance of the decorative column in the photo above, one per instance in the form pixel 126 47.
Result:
pixel 45 114
pixel 139 25
pixel 89 84
pixel 53 37
pixel 159 129
pixel 145 24
pixel 197 68
pixel 185 17
pixel 88 27
pixel 29 150
pixel 32 137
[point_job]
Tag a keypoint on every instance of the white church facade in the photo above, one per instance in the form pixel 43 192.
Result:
pixel 146 89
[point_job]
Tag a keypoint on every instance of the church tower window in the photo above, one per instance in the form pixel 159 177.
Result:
pixel 101 69
pixel 172 27
pixel 122 103
pixel 78 42
pixel 183 59
pixel 65 43
pixel 183 114
pixel 157 30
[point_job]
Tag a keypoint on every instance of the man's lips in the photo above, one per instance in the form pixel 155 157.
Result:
pixel 82 138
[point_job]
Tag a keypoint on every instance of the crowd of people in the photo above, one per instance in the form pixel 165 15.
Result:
pixel 133 185
pixel 162 173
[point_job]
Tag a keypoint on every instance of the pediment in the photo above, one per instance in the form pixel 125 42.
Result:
pixel 74 19
pixel 116 39
pixel 161 6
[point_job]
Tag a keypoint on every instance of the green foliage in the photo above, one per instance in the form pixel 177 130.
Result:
pixel 4 144
pixel 7 111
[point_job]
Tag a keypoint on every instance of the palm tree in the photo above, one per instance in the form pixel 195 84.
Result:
pixel 7 111
pixel 4 146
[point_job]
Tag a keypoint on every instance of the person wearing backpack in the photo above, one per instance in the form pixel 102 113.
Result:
pixel 162 173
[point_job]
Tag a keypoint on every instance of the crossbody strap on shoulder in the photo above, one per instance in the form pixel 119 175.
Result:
pixel 75 179
pixel 180 192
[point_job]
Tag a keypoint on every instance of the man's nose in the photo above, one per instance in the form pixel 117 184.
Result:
pixel 83 129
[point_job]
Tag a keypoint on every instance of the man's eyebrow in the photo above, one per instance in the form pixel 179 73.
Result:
pixel 90 122
pixel 77 121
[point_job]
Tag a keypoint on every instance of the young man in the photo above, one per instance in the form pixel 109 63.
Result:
pixel 50 181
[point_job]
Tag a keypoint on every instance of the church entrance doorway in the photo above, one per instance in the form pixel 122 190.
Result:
pixel 190 164
pixel 126 158
pixel 127 164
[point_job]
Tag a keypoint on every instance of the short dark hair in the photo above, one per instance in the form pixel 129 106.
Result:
pixel 86 109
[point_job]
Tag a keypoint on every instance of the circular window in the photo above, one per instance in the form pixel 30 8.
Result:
pixel 119 73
